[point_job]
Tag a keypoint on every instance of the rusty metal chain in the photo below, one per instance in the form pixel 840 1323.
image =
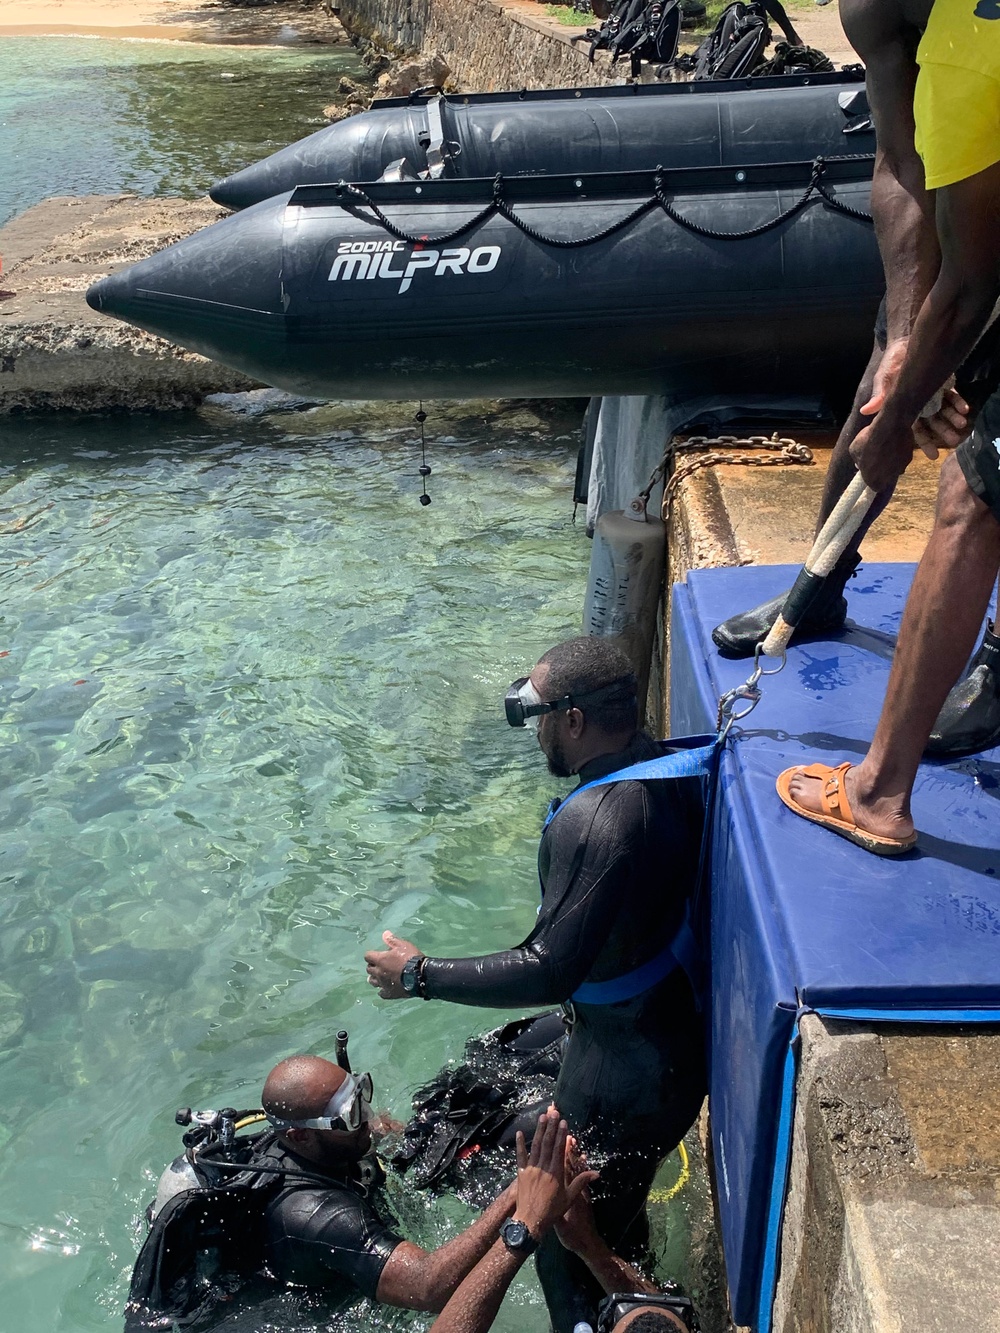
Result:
pixel 720 450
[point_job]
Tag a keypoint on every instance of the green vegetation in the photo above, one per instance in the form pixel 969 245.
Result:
pixel 568 16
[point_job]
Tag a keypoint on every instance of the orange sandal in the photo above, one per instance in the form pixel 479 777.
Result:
pixel 836 815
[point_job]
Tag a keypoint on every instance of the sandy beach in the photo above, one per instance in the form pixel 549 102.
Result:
pixel 285 25
pixel 170 20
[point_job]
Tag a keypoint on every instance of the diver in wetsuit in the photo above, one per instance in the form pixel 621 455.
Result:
pixel 304 1206
pixel 617 865
pixel 319 1237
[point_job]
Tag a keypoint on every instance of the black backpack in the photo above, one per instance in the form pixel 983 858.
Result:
pixel 201 1247
pixel 736 45
pixel 207 1240
pixel 640 29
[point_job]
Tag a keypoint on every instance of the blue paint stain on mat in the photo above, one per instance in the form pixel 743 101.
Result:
pixel 800 917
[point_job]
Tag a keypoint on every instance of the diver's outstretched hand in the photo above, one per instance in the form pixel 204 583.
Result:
pixel 547 1185
pixel 576 1228
pixel 385 966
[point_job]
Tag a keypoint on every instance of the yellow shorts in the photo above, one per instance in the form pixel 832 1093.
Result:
pixel 957 114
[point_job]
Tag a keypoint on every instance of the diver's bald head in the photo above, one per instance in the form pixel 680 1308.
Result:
pixel 300 1087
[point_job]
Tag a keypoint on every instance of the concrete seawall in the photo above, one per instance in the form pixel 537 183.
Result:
pixel 55 352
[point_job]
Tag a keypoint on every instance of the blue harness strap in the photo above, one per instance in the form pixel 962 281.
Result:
pixel 694 757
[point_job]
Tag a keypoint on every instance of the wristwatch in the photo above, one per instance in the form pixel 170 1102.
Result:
pixel 412 976
pixel 518 1239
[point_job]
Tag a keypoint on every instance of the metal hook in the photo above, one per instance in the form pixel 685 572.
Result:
pixel 726 716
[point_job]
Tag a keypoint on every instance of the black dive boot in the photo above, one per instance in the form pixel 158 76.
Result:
pixel 969 721
pixel 739 635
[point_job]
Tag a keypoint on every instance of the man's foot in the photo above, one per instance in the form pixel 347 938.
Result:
pixel 740 634
pixel 969 721
pixel 830 797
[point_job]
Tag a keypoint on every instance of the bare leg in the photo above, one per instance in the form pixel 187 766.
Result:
pixel 943 614
pixel 777 11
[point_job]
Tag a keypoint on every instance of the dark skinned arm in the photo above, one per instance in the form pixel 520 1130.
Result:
pixel 578 1232
pixel 546 1187
pixel 902 206
pixel 582 898
pixel 952 318
pixel 417 1280
pixel 476 1303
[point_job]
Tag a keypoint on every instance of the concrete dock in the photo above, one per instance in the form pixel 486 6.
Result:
pixel 892 1214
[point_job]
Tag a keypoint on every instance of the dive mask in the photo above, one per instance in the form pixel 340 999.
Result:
pixel 523 706
pixel 616 1307
pixel 347 1109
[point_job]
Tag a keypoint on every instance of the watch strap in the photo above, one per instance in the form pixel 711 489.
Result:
pixel 413 969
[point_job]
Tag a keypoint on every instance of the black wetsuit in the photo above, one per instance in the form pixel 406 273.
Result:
pixel 331 1237
pixel 616 867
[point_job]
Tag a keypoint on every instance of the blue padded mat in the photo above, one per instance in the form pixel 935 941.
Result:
pixel 800 917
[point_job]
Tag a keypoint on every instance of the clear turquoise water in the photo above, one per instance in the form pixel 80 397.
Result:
pixel 85 115
pixel 249 711
pixel 250 717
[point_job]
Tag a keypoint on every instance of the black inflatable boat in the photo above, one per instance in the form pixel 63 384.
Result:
pixel 632 128
pixel 763 277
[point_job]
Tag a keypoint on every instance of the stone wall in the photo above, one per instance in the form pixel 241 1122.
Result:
pixel 490 45
pixel 892 1221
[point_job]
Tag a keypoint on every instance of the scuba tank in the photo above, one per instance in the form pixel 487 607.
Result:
pixel 206 1222
pixel 627 564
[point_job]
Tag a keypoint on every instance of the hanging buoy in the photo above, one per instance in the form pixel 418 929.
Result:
pixel 626 579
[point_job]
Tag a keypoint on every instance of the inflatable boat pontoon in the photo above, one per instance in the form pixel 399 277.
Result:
pixel 765 277
pixel 632 128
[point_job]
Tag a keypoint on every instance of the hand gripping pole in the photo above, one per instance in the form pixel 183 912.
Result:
pixel 827 549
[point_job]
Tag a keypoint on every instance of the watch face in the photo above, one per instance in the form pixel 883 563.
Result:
pixel 516 1235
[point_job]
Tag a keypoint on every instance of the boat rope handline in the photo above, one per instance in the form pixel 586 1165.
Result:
pixel 848 209
pixel 356 195
pixel 830 544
